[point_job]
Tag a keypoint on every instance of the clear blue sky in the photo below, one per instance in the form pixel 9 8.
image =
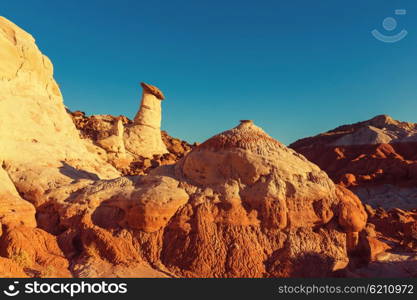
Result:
pixel 295 67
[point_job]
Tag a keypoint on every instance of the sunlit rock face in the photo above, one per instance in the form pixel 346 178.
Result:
pixel 39 144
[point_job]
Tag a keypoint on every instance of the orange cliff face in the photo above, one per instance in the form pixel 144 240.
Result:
pixel 376 159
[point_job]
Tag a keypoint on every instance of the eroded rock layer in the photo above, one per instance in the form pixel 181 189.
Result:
pixel 377 160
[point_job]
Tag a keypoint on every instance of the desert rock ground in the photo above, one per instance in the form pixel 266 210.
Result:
pixel 376 159
pixel 80 196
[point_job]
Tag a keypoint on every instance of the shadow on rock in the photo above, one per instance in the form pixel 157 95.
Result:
pixel 76 174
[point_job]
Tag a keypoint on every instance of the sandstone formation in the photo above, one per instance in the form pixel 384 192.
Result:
pixel 260 183
pixel 99 130
pixel 40 147
pixel 34 250
pixel 10 269
pixel 376 159
pixel 240 204
pixel 143 137
pixel 14 211
pixel 122 142
pixel 114 144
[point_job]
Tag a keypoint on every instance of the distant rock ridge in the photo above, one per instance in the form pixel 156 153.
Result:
pixel 381 129
pixel 375 158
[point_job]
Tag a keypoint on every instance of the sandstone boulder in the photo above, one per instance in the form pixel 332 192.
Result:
pixel 152 204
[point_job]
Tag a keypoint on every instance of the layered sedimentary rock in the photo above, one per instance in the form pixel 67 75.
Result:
pixel 260 183
pixel 239 205
pixel 376 159
pixel 143 137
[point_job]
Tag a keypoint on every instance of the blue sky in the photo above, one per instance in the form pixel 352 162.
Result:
pixel 295 67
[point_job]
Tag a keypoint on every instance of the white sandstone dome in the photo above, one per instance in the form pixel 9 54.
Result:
pixel 246 153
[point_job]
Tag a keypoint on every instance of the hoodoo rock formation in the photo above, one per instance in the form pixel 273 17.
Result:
pixel 127 144
pixel 143 137
pixel 104 135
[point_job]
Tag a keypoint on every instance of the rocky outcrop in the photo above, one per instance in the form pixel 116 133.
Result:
pixel 121 141
pixel 99 130
pixel 11 269
pixel 396 257
pixel 35 250
pixel 239 205
pixel 14 211
pixel 375 159
pixel 114 144
pixel 40 147
pixel 260 183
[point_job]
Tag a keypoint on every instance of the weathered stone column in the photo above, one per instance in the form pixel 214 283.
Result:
pixel 144 136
